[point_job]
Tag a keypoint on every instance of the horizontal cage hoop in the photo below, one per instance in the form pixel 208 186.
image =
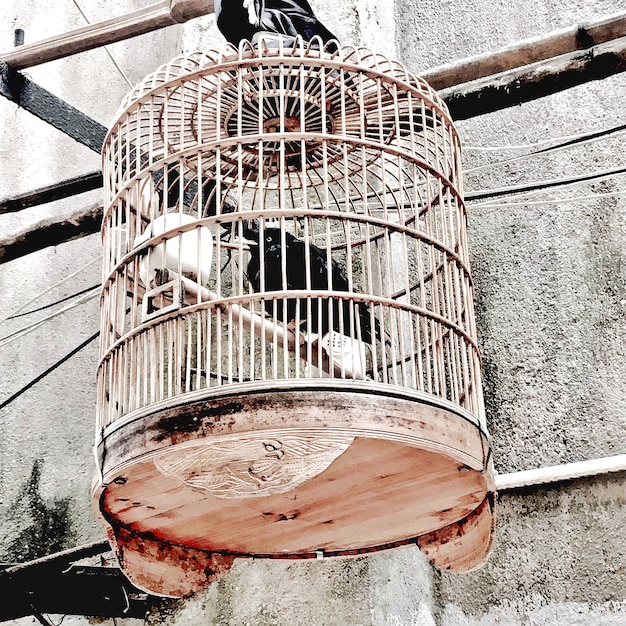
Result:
pixel 190 153
pixel 234 218
pixel 278 295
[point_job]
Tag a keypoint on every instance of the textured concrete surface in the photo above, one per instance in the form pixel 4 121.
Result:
pixel 551 303
pixel 46 435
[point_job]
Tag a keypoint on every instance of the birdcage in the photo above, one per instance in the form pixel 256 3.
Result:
pixel 289 365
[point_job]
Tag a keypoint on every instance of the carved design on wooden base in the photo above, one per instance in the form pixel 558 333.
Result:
pixel 253 466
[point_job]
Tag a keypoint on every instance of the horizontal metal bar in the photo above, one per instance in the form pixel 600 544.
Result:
pixel 578 37
pixel 50 108
pixel 145 20
pixel 50 193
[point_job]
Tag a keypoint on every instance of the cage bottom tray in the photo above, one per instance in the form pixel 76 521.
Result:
pixel 308 473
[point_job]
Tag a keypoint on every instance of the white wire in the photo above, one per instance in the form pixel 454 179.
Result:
pixel 49 289
pixel 550 151
pixel 492 204
pixel 25 330
pixel 106 49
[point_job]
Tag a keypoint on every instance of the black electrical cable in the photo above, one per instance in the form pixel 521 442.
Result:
pixel 47 306
pixel 545 184
pixel 581 139
pixel 41 376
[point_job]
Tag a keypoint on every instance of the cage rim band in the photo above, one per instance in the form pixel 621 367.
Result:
pixel 358 142
pixel 296 385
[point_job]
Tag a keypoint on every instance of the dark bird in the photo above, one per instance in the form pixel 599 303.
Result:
pixel 295 251
pixel 242 19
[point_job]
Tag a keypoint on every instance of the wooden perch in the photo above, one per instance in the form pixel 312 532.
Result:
pixel 258 325
pixel 152 17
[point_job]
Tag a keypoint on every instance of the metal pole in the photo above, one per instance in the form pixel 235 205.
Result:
pixel 153 17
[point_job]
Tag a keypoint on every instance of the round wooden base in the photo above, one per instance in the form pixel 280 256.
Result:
pixel 284 473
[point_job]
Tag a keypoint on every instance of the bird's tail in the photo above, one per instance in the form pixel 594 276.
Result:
pixel 368 317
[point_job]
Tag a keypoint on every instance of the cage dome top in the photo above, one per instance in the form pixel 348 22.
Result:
pixel 349 58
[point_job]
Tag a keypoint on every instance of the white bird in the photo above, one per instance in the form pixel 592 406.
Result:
pixel 189 253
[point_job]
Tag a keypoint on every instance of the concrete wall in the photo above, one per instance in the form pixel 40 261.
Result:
pixel 551 307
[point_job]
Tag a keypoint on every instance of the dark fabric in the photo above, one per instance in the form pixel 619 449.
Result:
pixel 286 17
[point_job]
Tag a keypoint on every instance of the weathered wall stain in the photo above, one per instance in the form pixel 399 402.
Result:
pixel 45 527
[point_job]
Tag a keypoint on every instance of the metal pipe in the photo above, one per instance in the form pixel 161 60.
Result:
pixel 152 17
pixel 542 48
pixel 560 473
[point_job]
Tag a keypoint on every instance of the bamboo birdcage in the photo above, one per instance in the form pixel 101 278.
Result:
pixel 288 364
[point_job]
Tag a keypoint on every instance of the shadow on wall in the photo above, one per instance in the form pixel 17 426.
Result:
pixel 45 528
